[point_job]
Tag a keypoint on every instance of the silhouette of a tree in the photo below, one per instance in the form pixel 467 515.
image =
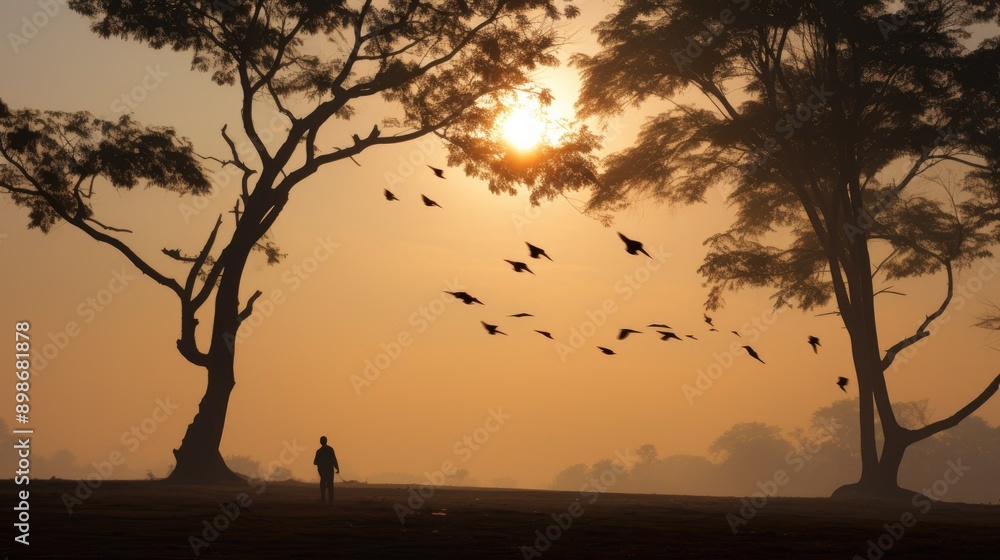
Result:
pixel 826 119
pixel 446 68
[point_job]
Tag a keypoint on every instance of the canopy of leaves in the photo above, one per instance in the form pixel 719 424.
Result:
pixel 51 160
pixel 451 66
pixel 807 105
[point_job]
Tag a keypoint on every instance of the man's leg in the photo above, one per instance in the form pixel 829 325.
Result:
pixel 328 488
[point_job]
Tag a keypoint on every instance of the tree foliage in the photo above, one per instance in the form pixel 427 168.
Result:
pixel 52 160
pixel 857 139
pixel 804 98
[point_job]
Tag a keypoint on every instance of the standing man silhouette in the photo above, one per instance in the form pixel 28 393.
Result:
pixel 326 464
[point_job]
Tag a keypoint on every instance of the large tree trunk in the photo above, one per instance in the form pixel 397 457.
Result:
pixel 879 468
pixel 198 458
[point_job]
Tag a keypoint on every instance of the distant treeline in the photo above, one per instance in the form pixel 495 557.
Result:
pixel 808 462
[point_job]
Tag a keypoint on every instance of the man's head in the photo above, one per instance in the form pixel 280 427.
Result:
pixel 322 440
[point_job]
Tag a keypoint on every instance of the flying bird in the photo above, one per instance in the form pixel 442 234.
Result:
pixel 519 266
pixel 667 335
pixel 814 342
pixel 465 297
pixel 521 315
pixel 659 325
pixel 546 334
pixel 389 196
pixel 429 202
pixel 708 320
pixel 537 252
pixel 753 354
pixel 736 333
pixel 623 334
pixel 633 247
pixel 842 382
pixel 607 351
pixel 691 336
pixel 438 172
pixel 492 328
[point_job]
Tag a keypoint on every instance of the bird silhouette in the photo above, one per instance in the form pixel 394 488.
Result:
pixel 667 335
pixel 519 266
pixel 438 172
pixel 465 297
pixel 389 196
pixel 842 383
pixel 708 320
pixel 658 325
pixel 623 334
pixel 632 246
pixel 607 351
pixel 492 328
pixel 546 334
pixel 753 354
pixel 814 342
pixel 736 333
pixel 691 336
pixel 713 329
pixel 521 315
pixel 429 202
pixel 537 252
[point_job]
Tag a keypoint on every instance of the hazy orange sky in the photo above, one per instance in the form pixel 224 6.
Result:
pixel 380 274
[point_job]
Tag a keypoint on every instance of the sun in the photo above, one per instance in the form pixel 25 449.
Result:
pixel 524 126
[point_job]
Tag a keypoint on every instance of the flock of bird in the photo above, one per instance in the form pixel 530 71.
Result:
pixel 632 247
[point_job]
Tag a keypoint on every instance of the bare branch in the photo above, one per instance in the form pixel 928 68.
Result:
pixel 921 332
pixel 248 310
pixel 100 236
pixel 954 419
pixel 109 228
pixel 200 260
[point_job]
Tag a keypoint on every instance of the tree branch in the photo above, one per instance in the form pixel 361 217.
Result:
pixel 953 420
pixel 248 310
pixel 102 237
pixel 921 332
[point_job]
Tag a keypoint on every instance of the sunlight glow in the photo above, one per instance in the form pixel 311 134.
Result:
pixel 524 126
